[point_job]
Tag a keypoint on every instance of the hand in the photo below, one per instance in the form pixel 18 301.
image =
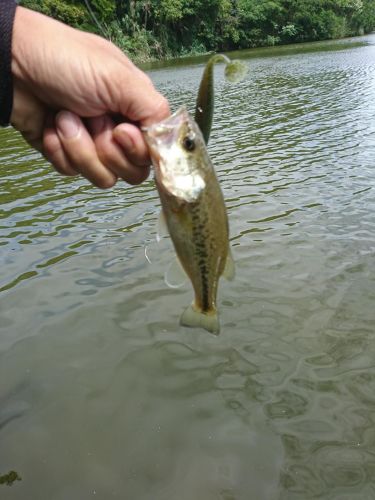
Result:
pixel 68 87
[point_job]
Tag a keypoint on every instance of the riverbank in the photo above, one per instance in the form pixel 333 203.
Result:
pixel 277 50
pixel 149 30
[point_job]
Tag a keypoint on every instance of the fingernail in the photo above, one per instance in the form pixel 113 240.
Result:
pixel 67 124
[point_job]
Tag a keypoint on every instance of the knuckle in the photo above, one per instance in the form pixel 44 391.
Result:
pixel 81 157
pixel 106 156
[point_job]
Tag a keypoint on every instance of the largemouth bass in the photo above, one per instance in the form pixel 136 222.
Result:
pixel 194 210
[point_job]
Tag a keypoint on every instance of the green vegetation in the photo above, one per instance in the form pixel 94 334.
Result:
pixel 148 29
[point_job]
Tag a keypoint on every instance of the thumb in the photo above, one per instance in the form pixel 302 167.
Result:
pixel 140 102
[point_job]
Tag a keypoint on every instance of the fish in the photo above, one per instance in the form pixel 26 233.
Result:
pixel 194 211
pixel 235 71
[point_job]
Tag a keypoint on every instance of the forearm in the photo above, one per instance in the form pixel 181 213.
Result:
pixel 7 12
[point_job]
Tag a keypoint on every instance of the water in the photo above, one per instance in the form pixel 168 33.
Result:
pixel 103 395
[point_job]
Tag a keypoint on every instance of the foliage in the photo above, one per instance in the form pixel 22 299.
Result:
pixel 67 12
pixel 147 29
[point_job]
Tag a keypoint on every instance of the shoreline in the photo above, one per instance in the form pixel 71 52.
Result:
pixel 261 51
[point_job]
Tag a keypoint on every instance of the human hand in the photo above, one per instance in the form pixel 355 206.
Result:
pixel 68 88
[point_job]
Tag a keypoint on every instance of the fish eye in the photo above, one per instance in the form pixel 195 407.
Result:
pixel 188 143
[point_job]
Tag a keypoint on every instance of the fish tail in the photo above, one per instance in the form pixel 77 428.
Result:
pixel 194 317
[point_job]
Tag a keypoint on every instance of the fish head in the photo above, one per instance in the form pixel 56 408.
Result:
pixel 178 151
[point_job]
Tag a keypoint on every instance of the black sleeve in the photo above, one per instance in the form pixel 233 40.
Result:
pixel 7 11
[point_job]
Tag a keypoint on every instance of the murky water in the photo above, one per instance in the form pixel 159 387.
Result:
pixel 103 395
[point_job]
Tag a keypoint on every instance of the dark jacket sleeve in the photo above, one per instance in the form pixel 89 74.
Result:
pixel 7 11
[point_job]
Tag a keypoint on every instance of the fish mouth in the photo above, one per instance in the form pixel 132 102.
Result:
pixel 166 132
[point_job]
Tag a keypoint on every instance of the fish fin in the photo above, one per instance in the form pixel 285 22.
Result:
pixel 193 318
pixel 161 232
pixel 146 255
pixel 175 276
pixel 161 228
pixel 229 269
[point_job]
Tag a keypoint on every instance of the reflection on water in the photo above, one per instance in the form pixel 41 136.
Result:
pixel 102 394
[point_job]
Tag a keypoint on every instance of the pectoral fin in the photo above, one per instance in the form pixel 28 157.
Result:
pixel 175 276
pixel 161 232
pixel 162 229
pixel 229 269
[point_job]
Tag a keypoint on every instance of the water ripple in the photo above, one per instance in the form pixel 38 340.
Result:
pixel 93 364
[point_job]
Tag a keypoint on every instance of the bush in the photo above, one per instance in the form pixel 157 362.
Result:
pixel 288 32
pixel 74 15
pixel 147 29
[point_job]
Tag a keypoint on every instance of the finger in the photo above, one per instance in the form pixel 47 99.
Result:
pixel 81 151
pixel 147 108
pixel 138 99
pixel 130 138
pixel 112 155
pixel 53 150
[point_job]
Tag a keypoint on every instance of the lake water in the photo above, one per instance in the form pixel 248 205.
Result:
pixel 103 395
